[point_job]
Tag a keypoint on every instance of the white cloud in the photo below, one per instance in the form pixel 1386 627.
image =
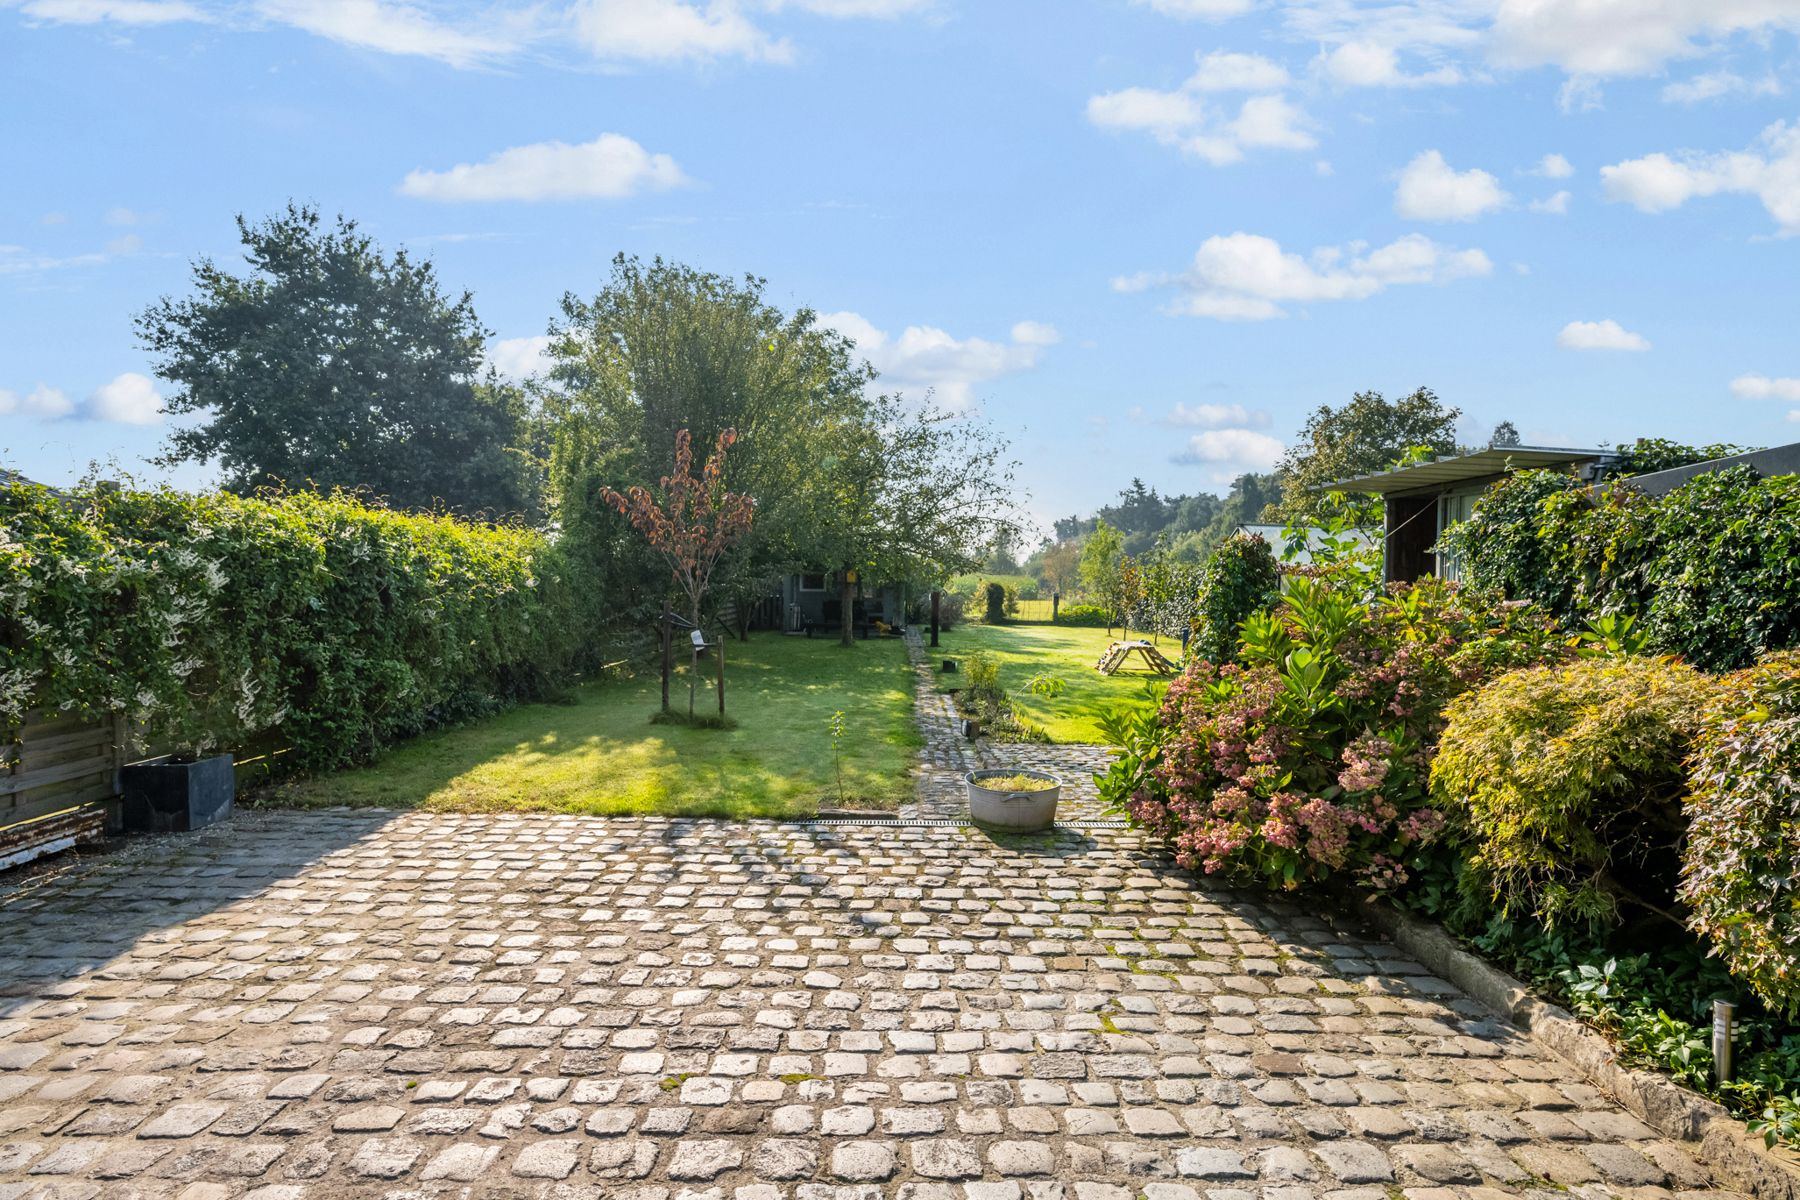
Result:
pixel 610 167
pixel 1216 416
pixel 123 216
pixel 1247 277
pixel 42 401
pixel 1557 204
pixel 1761 387
pixel 1768 170
pixel 1230 452
pixel 1625 37
pixel 856 8
pixel 1225 71
pixel 1600 335
pixel 1208 10
pixel 924 358
pixel 399 28
pixel 519 358
pixel 1553 166
pixel 1183 119
pixel 1372 64
pixel 130 243
pixel 128 399
pixel 17 260
pixel 1713 84
pixel 672 31
pixel 123 12
pixel 1430 190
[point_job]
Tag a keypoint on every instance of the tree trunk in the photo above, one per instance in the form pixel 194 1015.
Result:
pixel 936 600
pixel 846 601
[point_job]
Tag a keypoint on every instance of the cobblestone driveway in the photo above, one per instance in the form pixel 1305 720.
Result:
pixel 326 1005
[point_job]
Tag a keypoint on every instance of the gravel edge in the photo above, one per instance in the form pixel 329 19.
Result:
pixel 1735 1156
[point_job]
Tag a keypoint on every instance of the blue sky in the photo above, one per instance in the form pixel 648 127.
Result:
pixel 1144 237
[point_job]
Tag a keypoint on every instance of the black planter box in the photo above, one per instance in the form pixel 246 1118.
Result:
pixel 165 796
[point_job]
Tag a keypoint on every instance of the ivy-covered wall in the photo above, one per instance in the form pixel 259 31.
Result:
pixel 1711 570
pixel 215 619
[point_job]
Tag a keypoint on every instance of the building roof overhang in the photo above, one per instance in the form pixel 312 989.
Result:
pixel 1446 472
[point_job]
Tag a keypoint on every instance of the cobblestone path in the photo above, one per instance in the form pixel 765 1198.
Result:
pixel 301 1005
pixel 296 1006
pixel 948 756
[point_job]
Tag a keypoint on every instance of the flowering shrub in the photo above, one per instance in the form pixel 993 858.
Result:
pixel 1743 806
pixel 328 626
pixel 1309 759
pixel 1568 781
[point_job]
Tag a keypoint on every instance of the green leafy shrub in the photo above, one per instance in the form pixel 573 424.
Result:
pixel 1240 578
pixel 1085 616
pixel 1739 865
pixel 1648 455
pixel 996 604
pixel 1712 569
pixel 308 620
pixel 983 698
pixel 1503 547
pixel 1567 782
pixel 1309 760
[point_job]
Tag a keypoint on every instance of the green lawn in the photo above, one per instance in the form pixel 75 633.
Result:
pixel 602 754
pixel 1065 653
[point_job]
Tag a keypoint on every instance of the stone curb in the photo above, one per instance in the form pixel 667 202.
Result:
pixel 1738 1158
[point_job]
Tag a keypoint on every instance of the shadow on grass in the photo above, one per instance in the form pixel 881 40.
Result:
pixel 605 753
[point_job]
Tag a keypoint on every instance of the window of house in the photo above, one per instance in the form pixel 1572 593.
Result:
pixel 812 583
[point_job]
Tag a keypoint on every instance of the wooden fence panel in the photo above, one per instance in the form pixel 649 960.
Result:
pixel 54 762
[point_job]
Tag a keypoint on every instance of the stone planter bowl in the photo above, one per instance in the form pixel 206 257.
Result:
pixel 1014 812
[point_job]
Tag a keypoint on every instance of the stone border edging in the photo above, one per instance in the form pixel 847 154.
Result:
pixel 1720 1140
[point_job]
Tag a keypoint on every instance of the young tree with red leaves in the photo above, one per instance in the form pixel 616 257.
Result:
pixel 697 520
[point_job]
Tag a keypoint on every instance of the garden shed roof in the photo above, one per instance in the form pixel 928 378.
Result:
pixel 1442 472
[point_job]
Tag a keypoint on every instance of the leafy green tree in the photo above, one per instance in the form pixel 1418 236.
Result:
pixel 664 347
pixel 1100 561
pixel 1505 434
pixel 335 363
pixel 1365 435
pixel 917 494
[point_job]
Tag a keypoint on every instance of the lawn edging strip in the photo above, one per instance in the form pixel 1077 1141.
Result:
pixel 1738 1158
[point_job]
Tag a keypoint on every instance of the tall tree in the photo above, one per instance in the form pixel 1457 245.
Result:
pixel 915 493
pixel 1505 434
pixel 335 363
pixel 1101 558
pixel 663 347
pixel 1367 434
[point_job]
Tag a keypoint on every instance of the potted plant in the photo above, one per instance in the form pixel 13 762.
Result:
pixel 177 792
pixel 1013 801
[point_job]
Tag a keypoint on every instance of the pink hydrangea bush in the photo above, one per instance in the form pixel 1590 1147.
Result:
pixel 1311 759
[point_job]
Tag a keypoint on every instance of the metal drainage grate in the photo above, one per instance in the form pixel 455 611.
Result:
pixel 940 823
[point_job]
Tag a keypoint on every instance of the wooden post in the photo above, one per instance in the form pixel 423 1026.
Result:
pixel 936 598
pixel 668 654
pixel 722 678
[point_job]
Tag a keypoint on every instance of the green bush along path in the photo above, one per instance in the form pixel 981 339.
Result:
pixel 602 753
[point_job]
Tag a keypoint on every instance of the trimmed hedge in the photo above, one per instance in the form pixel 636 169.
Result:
pixel 1085 616
pixel 328 626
